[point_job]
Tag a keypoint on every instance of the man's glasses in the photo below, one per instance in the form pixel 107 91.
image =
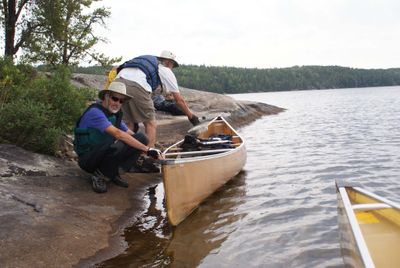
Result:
pixel 120 100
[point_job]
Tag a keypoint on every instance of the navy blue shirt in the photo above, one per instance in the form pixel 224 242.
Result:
pixel 95 118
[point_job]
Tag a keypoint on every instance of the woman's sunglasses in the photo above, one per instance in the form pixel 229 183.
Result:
pixel 120 100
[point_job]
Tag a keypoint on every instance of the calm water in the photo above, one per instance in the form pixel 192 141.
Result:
pixel 281 211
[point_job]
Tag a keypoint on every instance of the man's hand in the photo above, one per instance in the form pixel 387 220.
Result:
pixel 154 153
pixel 194 120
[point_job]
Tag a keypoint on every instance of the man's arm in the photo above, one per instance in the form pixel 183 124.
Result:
pixel 126 138
pixel 182 104
pixel 130 132
pixel 170 83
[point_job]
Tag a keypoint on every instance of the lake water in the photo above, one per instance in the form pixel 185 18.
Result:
pixel 281 211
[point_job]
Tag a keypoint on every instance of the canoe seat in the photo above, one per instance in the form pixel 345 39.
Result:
pixel 372 206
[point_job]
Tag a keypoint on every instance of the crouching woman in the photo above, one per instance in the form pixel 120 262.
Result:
pixel 104 143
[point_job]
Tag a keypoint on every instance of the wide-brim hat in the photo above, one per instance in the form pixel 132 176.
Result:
pixel 169 56
pixel 117 87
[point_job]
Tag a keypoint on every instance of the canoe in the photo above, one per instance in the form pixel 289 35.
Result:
pixel 192 173
pixel 369 227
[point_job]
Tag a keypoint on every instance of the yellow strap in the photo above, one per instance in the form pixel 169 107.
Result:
pixel 111 76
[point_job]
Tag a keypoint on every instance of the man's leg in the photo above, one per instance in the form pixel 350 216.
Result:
pixel 172 108
pixel 150 129
pixel 91 161
pixel 120 154
pixel 131 156
pixel 139 109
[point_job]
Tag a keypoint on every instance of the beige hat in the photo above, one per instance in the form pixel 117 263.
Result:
pixel 117 87
pixel 170 56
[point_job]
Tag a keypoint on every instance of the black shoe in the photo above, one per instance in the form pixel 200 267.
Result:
pixel 120 182
pixel 98 183
pixel 98 173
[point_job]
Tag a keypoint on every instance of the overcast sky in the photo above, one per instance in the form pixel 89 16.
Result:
pixel 257 33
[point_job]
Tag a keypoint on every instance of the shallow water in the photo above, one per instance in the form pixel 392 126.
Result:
pixel 281 211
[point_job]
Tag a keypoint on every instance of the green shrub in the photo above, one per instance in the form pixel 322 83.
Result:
pixel 35 110
pixel 65 100
pixel 27 124
pixel 11 77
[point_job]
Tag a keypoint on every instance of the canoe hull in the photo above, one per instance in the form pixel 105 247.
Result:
pixel 369 229
pixel 188 181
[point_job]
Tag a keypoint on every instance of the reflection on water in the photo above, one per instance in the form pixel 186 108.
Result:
pixel 154 243
pixel 148 237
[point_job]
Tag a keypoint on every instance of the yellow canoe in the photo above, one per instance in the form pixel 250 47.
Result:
pixel 190 176
pixel 369 227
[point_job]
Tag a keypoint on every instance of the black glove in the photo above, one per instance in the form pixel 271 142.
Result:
pixel 194 120
pixel 154 153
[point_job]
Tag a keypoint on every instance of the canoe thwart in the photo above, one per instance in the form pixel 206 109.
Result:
pixel 214 142
pixel 366 207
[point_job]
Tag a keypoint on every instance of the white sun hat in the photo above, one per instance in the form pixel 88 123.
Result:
pixel 170 56
pixel 117 87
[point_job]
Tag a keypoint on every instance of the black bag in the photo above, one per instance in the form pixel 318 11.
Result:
pixel 192 143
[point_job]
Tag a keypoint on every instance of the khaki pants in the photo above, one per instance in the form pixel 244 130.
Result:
pixel 140 108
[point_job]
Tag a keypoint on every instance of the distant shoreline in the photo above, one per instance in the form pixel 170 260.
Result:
pixel 229 80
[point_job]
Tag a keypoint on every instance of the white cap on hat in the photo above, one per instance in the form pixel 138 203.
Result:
pixel 170 56
pixel 117 87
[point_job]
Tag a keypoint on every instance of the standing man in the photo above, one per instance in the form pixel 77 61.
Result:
pixel 104 143
pixel 143 75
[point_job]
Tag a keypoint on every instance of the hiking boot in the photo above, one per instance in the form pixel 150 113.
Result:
pixel 120 182
pixel 98 173
pixel 99 184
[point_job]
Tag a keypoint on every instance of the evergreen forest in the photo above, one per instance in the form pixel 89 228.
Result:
pixel 228 80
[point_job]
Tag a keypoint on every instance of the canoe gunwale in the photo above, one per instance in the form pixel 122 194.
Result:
pixel 360 241
pixel 172 161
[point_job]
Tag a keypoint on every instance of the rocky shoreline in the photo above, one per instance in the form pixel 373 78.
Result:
pixel 50 217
